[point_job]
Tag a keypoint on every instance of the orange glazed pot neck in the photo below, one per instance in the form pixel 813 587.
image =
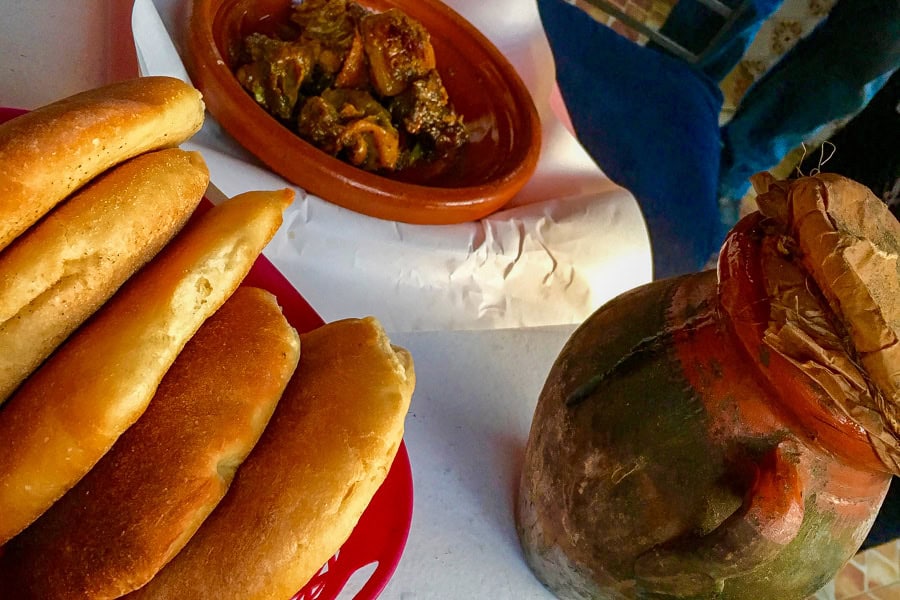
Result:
pixel 746 307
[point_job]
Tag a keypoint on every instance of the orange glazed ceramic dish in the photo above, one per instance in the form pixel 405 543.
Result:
pixel 491 167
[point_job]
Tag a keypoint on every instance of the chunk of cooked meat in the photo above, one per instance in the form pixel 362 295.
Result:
pixel 274 72
pixel 329 22
pixel 423 110
pixel 328 26
pixel 398 48
pixel 354 72
pixel 359 85
pixel 320 124
pixel 353 125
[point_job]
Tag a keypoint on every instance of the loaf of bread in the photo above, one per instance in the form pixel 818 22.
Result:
pixel 48 153
pixel 141 503
pixel 303 488
pixel 56 274
pixel 68 414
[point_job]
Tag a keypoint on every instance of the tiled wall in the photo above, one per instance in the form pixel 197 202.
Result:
pixel 870 575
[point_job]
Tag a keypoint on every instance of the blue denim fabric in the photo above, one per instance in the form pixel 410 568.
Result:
pixel 650 121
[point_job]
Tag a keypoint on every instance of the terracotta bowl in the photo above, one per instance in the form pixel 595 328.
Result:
pixel 482 85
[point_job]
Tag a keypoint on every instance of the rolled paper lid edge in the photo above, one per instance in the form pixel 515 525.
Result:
pixel 849 243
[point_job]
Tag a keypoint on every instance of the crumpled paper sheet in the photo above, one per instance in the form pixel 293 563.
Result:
pixel 849 243
pixel 567 243
pixel 852 244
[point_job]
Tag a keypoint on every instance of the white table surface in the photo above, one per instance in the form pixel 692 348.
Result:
pixel 477 389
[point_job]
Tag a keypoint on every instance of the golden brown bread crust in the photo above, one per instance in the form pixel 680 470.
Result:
pixel 55 275
pixel 299 494
pixel 64 417
pixel 48 153
pixel 141 503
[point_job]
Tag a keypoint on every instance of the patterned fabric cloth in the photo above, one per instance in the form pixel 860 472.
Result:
pixel 792 21
pixel 828 76
pixel 769 42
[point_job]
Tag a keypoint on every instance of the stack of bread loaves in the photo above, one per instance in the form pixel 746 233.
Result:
pixel 161 432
